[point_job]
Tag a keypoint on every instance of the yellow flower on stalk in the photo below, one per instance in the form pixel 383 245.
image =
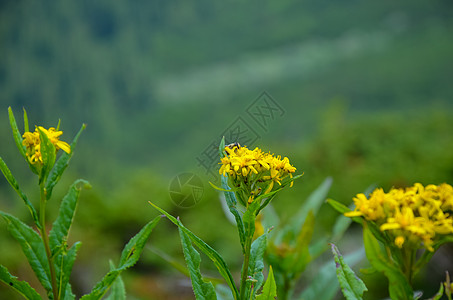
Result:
pixel 416 216
pixel 254 170
pixel 32 142
pixel 242 162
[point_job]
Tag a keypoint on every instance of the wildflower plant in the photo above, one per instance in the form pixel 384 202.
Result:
pixel 250 181
pixel 47 251
pixel 402 229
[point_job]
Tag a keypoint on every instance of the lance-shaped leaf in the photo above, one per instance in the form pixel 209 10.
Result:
pixel 32 246
pixel 22 287
pixel 256 265
pixel 16 134
pixel 249 219
pixel 318 289
pixel 12 181
pixel 48 153
pixel 64 261
pixel 399 287
pixel 206 249
pixel 62 224
pixel 269 289
pixel 118 291
pixel 351 285
pixel 202 290
pixel 222 147
pixel 129 256
pixel 232 202
pixel 60 165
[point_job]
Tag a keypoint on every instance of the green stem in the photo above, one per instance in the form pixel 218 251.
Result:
pixel 45 239
pixel 245 266
pixel 409 257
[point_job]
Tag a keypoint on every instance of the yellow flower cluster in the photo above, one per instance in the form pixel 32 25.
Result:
pixel 414 215
pixel 242 162
pixel 33 143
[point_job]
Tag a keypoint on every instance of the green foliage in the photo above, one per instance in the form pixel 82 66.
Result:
pixel 21 287
pixel 318 290
pixel 290 245
pixel 129 256
pixel 64 258
pixel 256 266
pixel 118 290
pixel 33 248
pixel 202 290
pixel 232 202
pixel 269 289
pixel 12 181
pixel 206 249
pixel 17 136
pixel 351 286
pixel 49 153
pixel 60 165
pixel 399 287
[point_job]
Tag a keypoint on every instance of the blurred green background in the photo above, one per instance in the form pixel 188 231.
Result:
pixel 366 88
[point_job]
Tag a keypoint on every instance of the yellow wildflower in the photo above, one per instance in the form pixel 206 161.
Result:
pixel 415 216
pixel 254 170
pixel 32 143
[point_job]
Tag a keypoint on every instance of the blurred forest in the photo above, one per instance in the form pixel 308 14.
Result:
pixel 365 89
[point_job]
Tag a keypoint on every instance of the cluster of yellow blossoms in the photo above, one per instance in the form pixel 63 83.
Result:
pixel 413 215
pixel 33 143
pixel 252 165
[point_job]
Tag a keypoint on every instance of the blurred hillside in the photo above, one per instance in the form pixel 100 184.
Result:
pixel 364 87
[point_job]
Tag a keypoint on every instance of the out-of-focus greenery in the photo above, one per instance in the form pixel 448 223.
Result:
pixel 366 89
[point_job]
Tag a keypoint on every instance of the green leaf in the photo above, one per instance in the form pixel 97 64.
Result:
pixel 48 153
pixel 399 287
pixel 206 249
pixel 22 287
pixel 256 264
pixel 16 134
pixel 223 292
pixel 222 147
pixel 351 285
pixel 270 288
pixel 129 256
pixel 340 207
pixel 249 218
pixel 32 246
pixel 64 260
pixel 178 266
pixel 68 294
pixel 12 181
pixel 62 224
pixel 439 293
pixel 26 128
pixel 118 291
pixel 202 290
pixel 318 289
pixel 231 201
pixel 60 165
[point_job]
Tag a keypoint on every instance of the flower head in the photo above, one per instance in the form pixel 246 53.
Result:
pixel 254 170
pixel 415 216
pixel 32 142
